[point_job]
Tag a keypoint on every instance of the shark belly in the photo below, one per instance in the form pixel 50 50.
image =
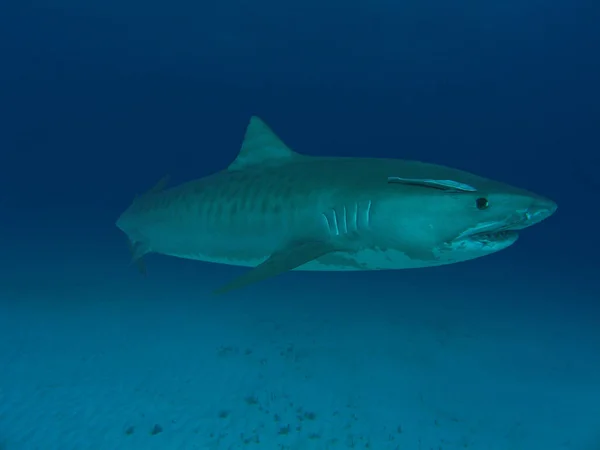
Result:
pixel 372 258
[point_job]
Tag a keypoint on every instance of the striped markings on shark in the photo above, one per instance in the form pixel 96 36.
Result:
pixel 275 210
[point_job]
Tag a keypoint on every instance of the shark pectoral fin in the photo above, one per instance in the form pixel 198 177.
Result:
pixel 138 250
pixel 444 185
pixel 289 258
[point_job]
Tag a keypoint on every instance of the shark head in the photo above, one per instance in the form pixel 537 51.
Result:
pixel 491 221
pixel 452 220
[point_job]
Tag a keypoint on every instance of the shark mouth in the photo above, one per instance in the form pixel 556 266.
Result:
pixel 488 241
pixel 491 236
pixel 494 236
pixel 499 231
pixel 488 231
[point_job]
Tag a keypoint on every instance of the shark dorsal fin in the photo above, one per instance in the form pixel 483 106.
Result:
pixel 261 146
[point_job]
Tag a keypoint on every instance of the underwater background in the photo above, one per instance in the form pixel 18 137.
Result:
pixel 99 100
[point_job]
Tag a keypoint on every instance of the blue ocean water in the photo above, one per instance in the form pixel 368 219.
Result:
pixel 98 101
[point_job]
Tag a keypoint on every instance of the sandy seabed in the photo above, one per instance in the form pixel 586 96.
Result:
pixel 92 373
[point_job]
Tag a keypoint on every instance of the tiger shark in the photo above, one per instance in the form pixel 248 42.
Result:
pixel 276 210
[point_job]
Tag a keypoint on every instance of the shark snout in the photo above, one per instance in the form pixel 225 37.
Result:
pixel 542 209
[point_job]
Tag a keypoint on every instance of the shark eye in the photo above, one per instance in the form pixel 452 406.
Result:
pixel 482 203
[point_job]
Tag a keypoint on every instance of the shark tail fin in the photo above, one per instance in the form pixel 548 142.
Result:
pixel 138 250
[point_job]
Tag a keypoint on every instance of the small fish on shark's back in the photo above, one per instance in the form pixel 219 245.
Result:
pixel 276 210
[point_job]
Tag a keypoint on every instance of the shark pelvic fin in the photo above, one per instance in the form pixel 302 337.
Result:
pixel 138 250
pixel 289 258
pixel 261 146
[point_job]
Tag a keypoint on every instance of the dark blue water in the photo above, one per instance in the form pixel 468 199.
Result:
pixel 98 101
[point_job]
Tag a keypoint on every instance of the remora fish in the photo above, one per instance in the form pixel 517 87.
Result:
pixel 276 210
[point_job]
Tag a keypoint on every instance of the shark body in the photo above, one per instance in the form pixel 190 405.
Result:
pixel 276 210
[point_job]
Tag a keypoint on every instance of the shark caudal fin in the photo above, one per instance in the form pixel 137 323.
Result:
pixel 138 248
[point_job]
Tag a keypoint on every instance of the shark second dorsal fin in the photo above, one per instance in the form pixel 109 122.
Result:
pixel 160 186
pixel 261 146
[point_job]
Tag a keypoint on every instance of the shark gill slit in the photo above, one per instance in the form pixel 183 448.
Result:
pixel 345 221
pixel 329 224
pixel 368 214
pixel 353 219
pixel 335 223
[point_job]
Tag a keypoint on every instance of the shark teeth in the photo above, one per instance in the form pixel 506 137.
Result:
pixel 501 235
